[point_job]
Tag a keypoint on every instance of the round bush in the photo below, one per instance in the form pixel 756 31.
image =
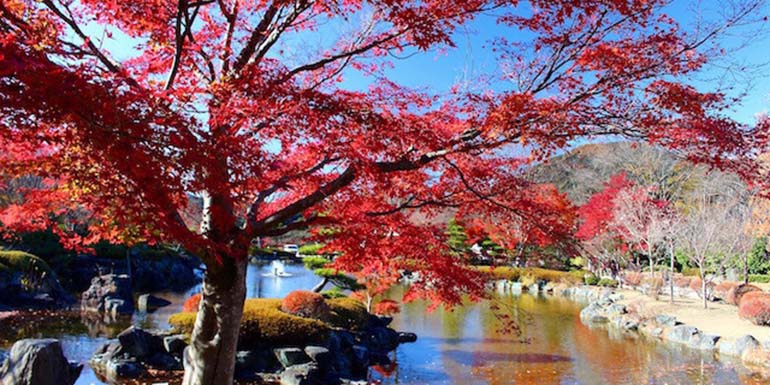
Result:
pixel 607 282
pixel 735 294
pixel 191 304
pixel 721 289
pixel 308 304
pixel 756 309
pixel 632 278
pixel 682 281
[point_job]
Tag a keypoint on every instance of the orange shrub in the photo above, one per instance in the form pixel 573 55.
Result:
pixel 756 309
pixel 192 303
pixel 696 284
pixel 306 304
pixel 682 281
pixel 735 294
pixel 754 294
pixel 632 278
pixel 723 288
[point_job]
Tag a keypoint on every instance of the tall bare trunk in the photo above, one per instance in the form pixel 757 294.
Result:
pixel 210 358
pixel 671 273
pixel 703 288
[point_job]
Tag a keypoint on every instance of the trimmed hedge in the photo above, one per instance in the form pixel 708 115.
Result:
pixel 759 278
pixel 310 248
pixel 264 322
pixel 19 261
pixel 536 273
pixel 736 293
pixel 607 282
pixel 756 309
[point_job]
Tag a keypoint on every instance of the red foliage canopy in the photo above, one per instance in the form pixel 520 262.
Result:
pixel 223 100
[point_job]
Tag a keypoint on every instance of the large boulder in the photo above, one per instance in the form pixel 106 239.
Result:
pixel 148 303
pixel 110 294
pixel 38 362
pixel 738 347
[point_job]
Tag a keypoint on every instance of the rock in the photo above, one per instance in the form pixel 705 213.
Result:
pixel 737 347
pixel 617 309
pixel 174 344
pixel 361 355
pixel 320 355
pixel 304 374
pixel 163 361
pixel 376 321
pixel 123 369
pixel 291 356
pixel 708 342
pixel 149 303
pixel 593 313
pixel 250 362
pixel 406 337
pixel 629 324
pixel 38 362
pixel 381 339
pixel 665 320
pixel 109 294
pixel 684 334
pixel 340 340
pixel 139 343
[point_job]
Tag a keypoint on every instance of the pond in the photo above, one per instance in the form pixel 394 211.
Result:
pixel 469 345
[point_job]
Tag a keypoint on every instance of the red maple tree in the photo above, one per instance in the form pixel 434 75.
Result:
pixel 211 100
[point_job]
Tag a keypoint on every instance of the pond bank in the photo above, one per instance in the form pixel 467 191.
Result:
pixel 717 331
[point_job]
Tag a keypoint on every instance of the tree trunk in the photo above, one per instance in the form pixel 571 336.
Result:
pixel 671 273
pixel 746 268
pixel 320 286
pixel 210 358
pixel 703 288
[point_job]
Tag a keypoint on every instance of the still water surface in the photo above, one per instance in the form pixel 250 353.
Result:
pixel 466 346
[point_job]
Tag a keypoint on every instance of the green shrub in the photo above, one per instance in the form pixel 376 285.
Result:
pixel 334 292
pixel 536 273
pixel 759 278
pixel 348 313
pixel 591 279
pixel 690 272
pixel 264 323
pixel 759 263
pixel 315 262
pixel 310 248
pixel 13 260
pixel 607 282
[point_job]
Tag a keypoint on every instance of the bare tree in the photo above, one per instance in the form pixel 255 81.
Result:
pixel 642 221
pixel 709 235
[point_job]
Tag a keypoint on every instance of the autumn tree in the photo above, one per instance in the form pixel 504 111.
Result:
pixel 600 242
pixel 642 221
pixel 128 109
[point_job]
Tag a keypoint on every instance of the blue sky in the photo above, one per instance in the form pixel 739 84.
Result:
pixel 439 69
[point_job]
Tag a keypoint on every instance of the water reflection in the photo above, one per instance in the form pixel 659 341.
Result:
pixel 462 346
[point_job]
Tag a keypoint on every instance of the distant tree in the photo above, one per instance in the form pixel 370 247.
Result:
pixel 602 245
pixel 709 236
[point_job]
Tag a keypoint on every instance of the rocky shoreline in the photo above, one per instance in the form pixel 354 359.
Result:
pixel 344 357
pixel 604 310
